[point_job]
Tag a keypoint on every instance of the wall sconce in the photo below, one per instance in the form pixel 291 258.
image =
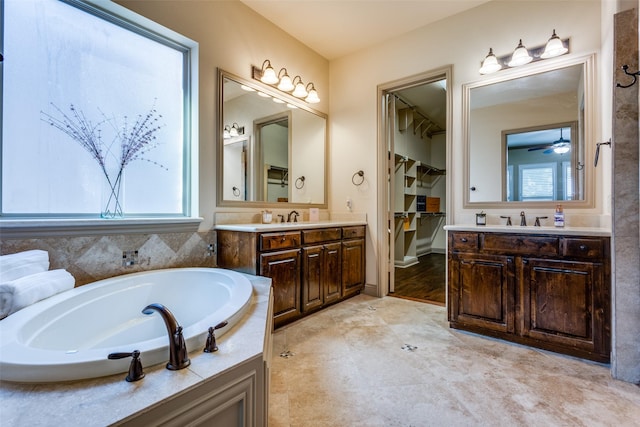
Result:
pixel 521 55
pixel 281 81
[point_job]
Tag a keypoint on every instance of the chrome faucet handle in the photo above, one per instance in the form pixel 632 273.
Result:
pixel 135 368
pixel 538 218
pixel 508 218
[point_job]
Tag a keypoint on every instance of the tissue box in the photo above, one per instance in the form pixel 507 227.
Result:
pixel 433 204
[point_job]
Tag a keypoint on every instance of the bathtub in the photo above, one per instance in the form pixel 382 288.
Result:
pixel 69 336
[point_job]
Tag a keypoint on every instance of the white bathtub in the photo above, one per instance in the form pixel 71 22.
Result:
pixel 69 336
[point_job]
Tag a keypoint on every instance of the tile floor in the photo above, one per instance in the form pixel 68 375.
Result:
pixel 393 362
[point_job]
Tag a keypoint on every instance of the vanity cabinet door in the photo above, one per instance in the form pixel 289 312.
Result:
pixel 321 278
pixel 563 304
pixel 353 266
pixel 312 261
pixel 331 273
pixel 283 268
pixel 482 291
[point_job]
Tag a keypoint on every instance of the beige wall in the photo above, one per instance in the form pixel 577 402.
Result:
pixel 232 37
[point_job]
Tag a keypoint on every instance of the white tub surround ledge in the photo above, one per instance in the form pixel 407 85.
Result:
pixel 111 400
pixel 530 229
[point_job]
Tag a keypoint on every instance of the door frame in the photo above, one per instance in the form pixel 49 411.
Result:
pixel 385 165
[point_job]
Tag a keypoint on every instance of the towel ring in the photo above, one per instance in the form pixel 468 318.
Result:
pixel 300 182
pixel 236 191
pixel 354 179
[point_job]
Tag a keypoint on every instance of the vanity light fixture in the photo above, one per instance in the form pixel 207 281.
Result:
pixel 299 91
pixel 268 74
pixel 312 97
pixel 226 133
pixel 490 64
pixel 284 83
pixel 521 55
pixel 554 47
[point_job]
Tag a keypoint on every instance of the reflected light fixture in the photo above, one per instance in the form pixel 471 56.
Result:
pixel 285 84
pixel 554 47
pixel 226 133
pixel 562 149
pixel 268 74
pixel 520 56
pixel 490 64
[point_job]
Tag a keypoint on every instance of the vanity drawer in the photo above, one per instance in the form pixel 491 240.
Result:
pixel 321 235
pixel 581 247
pixel 353 232
pixel 280 240
pixel 520 244
pixel 464 241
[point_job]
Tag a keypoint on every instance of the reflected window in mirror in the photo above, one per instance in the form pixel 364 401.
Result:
pixel 282 138
pixel 514 119
pixel 541 164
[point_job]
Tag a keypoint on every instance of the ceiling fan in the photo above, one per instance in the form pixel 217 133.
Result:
pixel 560 146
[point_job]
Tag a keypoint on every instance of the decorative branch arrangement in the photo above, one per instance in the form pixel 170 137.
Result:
pixel 132 142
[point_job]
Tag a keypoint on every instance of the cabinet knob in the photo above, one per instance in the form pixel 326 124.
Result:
pixel 463 240
pixel 525 261
pixel 284 239
pixel 583 247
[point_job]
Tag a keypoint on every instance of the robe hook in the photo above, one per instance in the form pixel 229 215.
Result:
pixel 625 68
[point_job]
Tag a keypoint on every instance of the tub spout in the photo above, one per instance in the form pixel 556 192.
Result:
pixel 178 356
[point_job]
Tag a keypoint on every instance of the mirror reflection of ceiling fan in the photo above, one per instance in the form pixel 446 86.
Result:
pixel 560 146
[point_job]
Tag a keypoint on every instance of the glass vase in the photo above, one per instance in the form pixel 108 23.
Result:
pixel 113 196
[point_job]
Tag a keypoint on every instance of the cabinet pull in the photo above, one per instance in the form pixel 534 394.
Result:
pixel 284 239
pixel 464 240
pixel 583 247
pixel 525 261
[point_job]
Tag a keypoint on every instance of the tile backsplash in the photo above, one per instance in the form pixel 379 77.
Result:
pixel 94 258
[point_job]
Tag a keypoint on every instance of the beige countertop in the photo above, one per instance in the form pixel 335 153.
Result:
pixel 106 400
pixel 565 231
pixel 283 226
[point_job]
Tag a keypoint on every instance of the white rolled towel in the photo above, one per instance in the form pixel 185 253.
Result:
pixel 21 264
pixel 20 293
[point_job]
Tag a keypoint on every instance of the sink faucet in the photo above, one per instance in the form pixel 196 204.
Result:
pixel 538 218
pixel 178 357
pixel 295 216
pixel 523 219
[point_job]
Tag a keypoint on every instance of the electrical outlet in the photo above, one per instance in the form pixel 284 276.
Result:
pixel 211 249
pixel 349 204
pixel 129 258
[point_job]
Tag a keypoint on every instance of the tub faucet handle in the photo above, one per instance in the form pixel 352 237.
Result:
pixel 211 344
pixel 135 368
pixel 508 218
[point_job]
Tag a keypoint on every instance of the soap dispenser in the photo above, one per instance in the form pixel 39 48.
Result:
pixel 558 217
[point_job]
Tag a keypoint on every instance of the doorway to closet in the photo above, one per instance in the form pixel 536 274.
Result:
pixel 416 130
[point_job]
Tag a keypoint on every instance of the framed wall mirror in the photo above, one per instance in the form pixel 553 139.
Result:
pixel 272 148
pixel 528 136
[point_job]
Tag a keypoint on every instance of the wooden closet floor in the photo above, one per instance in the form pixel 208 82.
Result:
pixel 424 281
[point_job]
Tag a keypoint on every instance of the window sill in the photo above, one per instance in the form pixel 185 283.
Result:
pixel 34 228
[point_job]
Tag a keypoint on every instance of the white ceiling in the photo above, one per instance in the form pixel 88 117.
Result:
pixel 334 28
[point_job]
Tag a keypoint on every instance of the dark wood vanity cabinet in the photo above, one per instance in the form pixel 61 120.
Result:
pixel 546 291
pixel 309 269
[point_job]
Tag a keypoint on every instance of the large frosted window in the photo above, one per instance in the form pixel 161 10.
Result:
pixel 69 69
